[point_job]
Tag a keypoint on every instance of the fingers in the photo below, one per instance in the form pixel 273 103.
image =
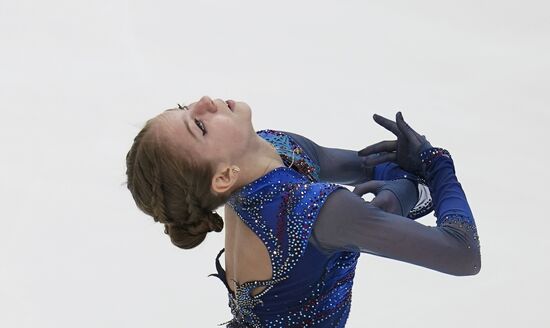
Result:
pixel 388 124
pixel 415 139
pixel 372 160
pixel 369 186
pixel 377 202
pixel 388 145
pixel 387 201
pixel 405 128
pixel 402 125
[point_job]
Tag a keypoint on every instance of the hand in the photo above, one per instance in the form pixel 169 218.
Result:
pixel 404 151
pixel 385 199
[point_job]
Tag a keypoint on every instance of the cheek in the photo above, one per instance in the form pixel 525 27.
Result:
pixel 227 132
pixel 232 125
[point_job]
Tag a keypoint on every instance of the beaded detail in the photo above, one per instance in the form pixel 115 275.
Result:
pixel 464 223
pixel 424 204
pixel 430 154
pixel 280 208
pixel 242 303
pixel 292 154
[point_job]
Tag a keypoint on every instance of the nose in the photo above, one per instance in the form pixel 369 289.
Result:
pixel 205 104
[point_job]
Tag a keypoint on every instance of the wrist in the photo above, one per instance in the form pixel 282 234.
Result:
pixel 428 156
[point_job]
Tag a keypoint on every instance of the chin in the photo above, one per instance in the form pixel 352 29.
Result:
pixel 244 106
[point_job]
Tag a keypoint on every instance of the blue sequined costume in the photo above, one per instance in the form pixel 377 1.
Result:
pixel 307 287
pixel 311 287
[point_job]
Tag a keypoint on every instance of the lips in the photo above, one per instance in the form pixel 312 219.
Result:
pixel 231 104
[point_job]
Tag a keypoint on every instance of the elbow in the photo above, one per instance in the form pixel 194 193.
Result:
pixel 476 263
pixel 471 265
pixel 474 258
pixel 463 261
pixel 470 271
pixel 467 255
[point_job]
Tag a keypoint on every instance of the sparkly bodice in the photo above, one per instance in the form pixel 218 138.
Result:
pixel 292 154
pixel 307 288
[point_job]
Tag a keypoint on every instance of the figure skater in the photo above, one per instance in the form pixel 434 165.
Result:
pixel 293 232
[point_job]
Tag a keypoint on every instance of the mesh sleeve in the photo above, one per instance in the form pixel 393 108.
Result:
pixel 347 222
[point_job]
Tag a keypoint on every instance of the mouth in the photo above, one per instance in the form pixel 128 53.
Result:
pixel 231 104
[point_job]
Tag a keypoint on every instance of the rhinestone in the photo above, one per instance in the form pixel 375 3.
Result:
pixel 288 186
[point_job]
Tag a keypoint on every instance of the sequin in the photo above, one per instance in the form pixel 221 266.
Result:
pixel 292 153
pixel 464 223
pixel 429 155
pixel 307 288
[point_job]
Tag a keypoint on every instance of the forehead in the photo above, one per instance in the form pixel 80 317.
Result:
pixel 170 119
pixel 171 129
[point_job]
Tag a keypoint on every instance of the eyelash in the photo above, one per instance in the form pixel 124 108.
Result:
pixel 201 126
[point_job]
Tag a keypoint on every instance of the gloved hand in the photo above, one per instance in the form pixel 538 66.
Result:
pixel 404 151
pixel 385 198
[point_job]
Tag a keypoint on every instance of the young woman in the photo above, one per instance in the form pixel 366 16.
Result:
pixel 293 234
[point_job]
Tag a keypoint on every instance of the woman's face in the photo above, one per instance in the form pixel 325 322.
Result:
pixel 227 124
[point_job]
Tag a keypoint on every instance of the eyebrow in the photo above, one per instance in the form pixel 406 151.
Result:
pixel 188 128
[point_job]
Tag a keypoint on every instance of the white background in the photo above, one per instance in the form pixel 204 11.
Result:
pixel 80 78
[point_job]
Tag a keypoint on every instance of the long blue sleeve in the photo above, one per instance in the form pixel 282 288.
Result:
pixel 347 222
pixel 390 171
pixel 447 193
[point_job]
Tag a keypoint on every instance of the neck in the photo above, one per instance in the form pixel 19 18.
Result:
pixel 262 159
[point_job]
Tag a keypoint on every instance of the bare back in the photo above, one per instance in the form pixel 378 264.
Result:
pixel 246 257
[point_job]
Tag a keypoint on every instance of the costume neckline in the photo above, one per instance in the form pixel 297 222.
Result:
pixel 269 177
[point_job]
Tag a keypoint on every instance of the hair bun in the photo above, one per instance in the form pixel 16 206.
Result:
pixel 181 236
pixel 215 222
pixel 188 236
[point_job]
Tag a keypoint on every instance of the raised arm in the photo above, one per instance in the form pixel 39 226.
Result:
pixel 337 165
pixel 345 166
pixel 347 222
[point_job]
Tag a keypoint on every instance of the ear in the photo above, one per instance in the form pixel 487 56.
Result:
pixel 224 179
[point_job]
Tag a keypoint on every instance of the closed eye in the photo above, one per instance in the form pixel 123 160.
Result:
pixel 201 126
pixel 199 123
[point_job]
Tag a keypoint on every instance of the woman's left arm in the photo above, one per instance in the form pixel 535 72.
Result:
pixel 345 166
pixel 337 165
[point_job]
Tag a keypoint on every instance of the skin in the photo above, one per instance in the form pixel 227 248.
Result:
pixel 230 141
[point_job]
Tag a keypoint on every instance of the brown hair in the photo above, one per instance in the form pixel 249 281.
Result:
pixel 173 188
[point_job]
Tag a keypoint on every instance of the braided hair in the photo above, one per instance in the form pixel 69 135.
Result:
pixel 173 188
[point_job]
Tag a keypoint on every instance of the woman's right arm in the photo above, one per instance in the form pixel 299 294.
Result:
pixel 347 222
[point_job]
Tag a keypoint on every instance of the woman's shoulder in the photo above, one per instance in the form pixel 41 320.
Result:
pixel 295 151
